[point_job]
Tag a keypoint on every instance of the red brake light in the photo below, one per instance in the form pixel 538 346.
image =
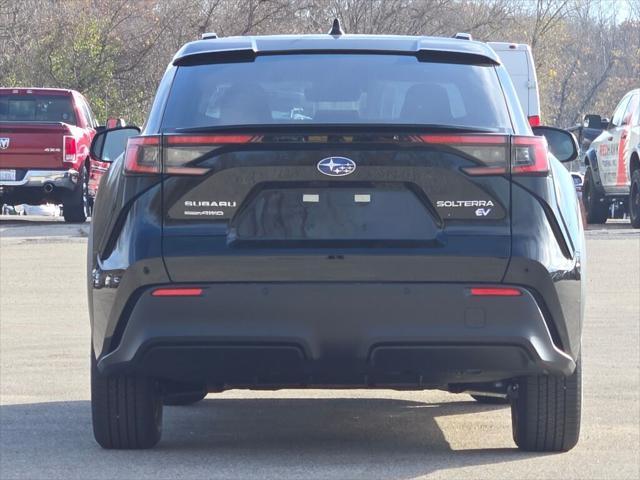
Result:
pixel 177 292
pixel 495 292
pixel 70 149
pixel 534 120
pixel 529 156
pixel 142 155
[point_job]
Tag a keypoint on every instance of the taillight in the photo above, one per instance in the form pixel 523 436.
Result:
pixel 529 156
pixel 495 292
pixel 70 149
pixel 491 152
pixel 534 120
pixel 142 156
pixel 183 152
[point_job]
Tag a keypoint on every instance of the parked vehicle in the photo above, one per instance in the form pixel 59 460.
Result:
pixel 45 134
pixel 99 167
pixel 336 211
pixel 588 130
pixel 612 163
pixel 517 58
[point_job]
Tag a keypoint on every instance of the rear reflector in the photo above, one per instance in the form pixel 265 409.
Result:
pixel 142 156
pixel 70 149
pixel 495 292
pixel 177 292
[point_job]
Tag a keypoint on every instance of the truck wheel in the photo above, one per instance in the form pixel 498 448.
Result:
pixel 597 212
pixel 546 414
pixel 126 410
pixel 634 199
pixel 490 400
pixel 75 208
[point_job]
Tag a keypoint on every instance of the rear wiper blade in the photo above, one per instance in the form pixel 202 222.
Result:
pixel 338 127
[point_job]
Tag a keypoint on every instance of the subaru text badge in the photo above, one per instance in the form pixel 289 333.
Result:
pixel 336 166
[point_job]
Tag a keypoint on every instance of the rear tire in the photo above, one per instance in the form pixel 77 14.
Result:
pixel 490 400
pixel 126 410
pixel 596 210
pixel 75 208
pixel 546 415
pixel 634 199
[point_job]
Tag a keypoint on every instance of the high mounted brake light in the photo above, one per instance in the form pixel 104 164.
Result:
pixel 142 156
pixel 70 149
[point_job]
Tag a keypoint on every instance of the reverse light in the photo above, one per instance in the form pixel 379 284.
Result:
pixel 495 292
pixel 529 156
pixel 177 292
pixel 70 149
pixel 142 156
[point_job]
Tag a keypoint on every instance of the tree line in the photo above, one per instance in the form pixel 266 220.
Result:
pixel 587 52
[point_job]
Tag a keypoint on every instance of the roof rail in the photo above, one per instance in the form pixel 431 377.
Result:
pixel 463 36
pixel 209 35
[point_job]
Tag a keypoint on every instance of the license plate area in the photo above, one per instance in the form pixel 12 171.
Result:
pixel 366 212
pixel 7 175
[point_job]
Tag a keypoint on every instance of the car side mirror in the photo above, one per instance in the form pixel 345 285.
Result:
pixel 562 144
pixel 593 121
pixel 109 144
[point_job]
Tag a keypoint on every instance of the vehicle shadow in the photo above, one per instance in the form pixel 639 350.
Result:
pixel 248 438
pixel 40 227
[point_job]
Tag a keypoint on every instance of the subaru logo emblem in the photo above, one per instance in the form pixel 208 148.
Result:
pixel 4 143
pixel 336 166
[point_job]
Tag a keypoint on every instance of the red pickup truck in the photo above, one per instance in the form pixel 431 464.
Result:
pixel 45 135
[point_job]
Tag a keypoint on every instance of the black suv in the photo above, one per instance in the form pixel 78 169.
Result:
pixel 336 211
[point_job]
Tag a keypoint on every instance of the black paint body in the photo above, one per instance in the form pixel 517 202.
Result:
pixel 336 294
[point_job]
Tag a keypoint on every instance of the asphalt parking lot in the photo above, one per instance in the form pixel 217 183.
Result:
pixel 45 424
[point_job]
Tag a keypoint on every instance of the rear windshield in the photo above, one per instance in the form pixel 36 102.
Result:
pixel 37 108
pixel 336 89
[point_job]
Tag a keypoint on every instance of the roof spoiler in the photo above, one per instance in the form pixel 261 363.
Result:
pixel 246 50
pixel 230 55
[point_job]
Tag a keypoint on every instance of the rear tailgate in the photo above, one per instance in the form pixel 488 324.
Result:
pixel 279 207
pixel 33 145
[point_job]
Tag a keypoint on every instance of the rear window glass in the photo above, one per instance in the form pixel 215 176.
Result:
pixel 37 108
pixel 336 89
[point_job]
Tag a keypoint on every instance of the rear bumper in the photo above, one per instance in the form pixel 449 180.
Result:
pixel 274 335
pixel 38 185
pixel 39 178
